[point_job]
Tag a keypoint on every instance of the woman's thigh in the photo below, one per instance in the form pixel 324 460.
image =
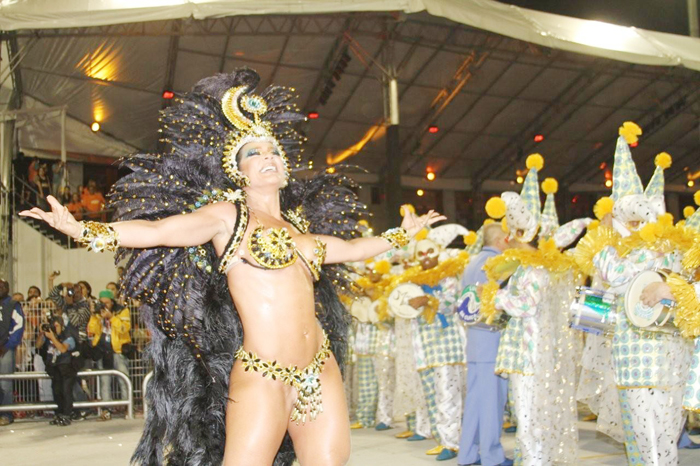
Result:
pixel 256 418
pixel 326 440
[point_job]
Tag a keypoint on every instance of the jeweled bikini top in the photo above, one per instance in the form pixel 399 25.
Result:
pixel 272 248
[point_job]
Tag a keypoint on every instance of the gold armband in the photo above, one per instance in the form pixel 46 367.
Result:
pixel 397 237
pixel 98 236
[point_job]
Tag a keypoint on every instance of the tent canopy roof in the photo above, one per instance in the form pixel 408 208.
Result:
pixel 489 75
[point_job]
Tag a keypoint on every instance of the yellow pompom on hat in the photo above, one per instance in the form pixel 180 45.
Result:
pixel 630 131
pixel 603 207
pixel 495 207
pixel 489 221
pixel 408 207
pixel 535 161
pixel 688 211
pixel 470 238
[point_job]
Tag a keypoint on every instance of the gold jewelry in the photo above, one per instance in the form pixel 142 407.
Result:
pixel 272 249
pixel 248 130
pixel 306 381
pixel 397 237
pixel 98 236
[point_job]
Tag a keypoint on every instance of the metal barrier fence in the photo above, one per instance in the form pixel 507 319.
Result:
pixel 36 390
pixel 128 402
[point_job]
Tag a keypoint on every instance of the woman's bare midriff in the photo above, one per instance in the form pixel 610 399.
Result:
pixel 277 312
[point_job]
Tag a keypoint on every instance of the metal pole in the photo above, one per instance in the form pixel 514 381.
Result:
pixel 693 22
pixel 392 177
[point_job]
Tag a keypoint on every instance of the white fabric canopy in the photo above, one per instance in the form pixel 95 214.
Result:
pixel 576 35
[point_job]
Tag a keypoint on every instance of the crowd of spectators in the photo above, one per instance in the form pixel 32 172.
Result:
pixel 44 177
pixel 69 331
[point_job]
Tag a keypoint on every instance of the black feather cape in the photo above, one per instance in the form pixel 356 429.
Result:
pixel 186 304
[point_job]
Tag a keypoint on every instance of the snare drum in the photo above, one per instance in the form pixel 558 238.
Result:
pixel 593 311
pixel 658 318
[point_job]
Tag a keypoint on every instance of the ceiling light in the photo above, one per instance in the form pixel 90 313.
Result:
pixel 691 183
pixel 608 183
pixel 519 179
pixel 330 170
pixel 430 176
pixel 420 193
pixel 95 127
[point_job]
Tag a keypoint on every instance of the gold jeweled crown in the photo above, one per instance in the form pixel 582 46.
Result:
pixel 232 102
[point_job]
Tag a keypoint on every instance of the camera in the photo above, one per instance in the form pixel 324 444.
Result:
pixel 70 292
pixel 45 327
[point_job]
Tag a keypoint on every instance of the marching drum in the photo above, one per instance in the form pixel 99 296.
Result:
pixel 399 298
pixel 658 318
pixel 593 311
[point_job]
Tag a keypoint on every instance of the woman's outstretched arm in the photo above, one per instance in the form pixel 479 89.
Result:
pixel 359 249
pixel 192 229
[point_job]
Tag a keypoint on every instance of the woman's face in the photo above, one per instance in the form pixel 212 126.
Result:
pixel 262 163
pixel 113 288
pixel 76 198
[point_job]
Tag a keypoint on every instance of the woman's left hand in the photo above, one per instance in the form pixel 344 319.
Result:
pixel 412 223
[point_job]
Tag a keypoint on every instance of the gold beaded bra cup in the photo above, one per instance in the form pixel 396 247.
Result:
pixel 274 248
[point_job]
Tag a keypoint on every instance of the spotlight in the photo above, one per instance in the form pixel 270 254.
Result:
pixel 519 179
pixel 539 138
pixel 313 115
pixel 95 127
pixel 168 94
pixel 430 176
pixel 432 129
pixel 420 193
pixel 608 183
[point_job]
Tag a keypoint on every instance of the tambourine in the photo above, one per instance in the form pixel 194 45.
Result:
pixel 360 309
pixel 398 301
pixel 658 318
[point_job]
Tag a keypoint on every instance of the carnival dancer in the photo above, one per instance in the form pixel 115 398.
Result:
pixel 213 231
pixel 650 366
pixel 438 337
pixel 487 392
pixel 533 349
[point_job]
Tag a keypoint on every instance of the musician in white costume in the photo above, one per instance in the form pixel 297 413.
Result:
pixel 375 282
pixel 685 291
pixel 439 339
pixel 650 367
pixel 538 349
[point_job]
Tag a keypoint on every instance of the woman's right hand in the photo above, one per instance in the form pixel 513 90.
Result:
pixel 59 218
